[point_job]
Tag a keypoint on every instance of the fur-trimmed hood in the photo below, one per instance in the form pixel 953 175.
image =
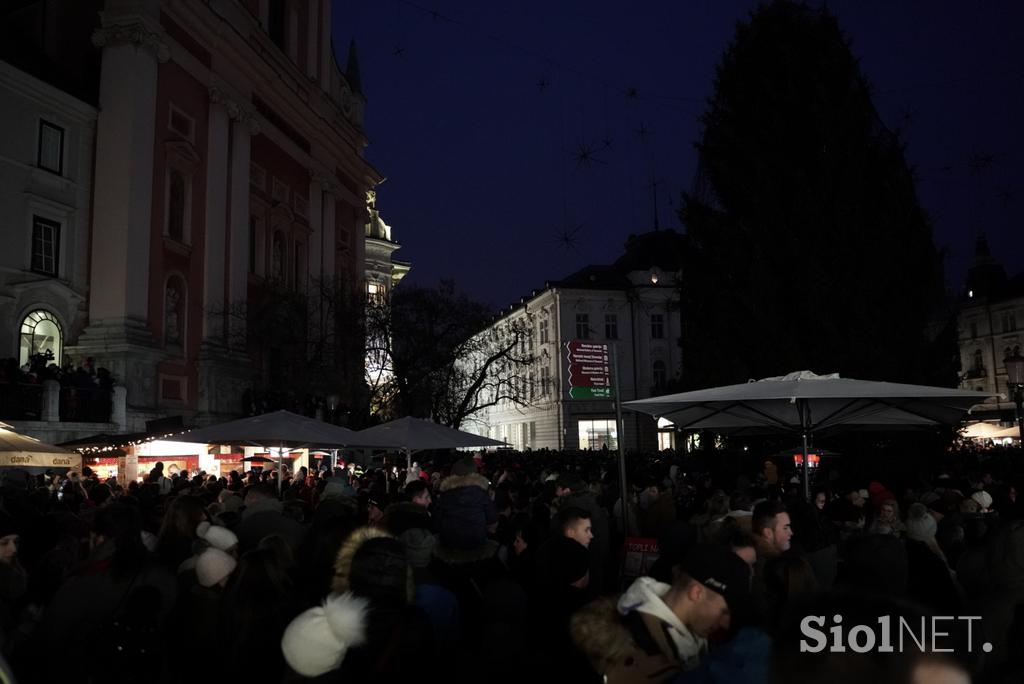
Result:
pixel 347 552
pixel 471 480
pixel 316 641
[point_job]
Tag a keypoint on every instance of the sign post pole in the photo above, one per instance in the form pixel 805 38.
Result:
pixel 624 490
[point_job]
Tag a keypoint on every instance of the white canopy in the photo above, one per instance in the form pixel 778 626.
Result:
pixel 805 403
pixel 17 450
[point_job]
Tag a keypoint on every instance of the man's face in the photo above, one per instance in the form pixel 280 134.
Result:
pixel 780 533
pixel 423 498
pixel 819 500
pixel 581 531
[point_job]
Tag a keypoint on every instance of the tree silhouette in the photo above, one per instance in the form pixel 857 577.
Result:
pixel 807 245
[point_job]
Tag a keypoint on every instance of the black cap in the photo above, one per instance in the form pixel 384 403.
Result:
pixel 380 570
pixel 720 570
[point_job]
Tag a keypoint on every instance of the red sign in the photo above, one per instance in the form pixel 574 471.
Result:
pixel 590 371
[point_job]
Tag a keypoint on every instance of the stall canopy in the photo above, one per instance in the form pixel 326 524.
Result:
pixel 804 403
pixel 410 435
pixel 280 430
pixel 22 451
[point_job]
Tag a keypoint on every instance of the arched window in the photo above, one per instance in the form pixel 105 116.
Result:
pixel 176 206
pixel 277 256
pixel 174 314
pixel 41 334
pixel 659 373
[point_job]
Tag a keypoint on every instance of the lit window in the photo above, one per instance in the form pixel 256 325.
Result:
pixel 657 326
pixel 41 334
pixel 598 434
pixel 51 147
pixel 45 245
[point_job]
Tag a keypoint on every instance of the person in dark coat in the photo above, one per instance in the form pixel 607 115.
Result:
pixel 465 512
pixel 571 492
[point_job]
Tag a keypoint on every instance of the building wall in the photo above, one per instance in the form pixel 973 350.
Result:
pixel 551 419
pixel 26 191
pixel 275 135
pixel 989 328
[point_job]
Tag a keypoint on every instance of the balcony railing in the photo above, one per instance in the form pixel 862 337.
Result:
pixel 49 402
pixel 21 401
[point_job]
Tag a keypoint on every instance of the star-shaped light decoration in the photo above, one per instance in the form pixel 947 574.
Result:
pixel 399 51
pixel 643 132
pixel 632 94
pixel 585 156
pixel 568 238
pixel 542 84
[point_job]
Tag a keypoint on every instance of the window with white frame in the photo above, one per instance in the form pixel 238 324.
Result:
pixel 51 147
pixel 582 326
pixel 545 381
pixel 598 434
pixel 40 334
pixel 611 326
pixel 45 246
pixel 545 328
pixel 657 326
pixel 659 373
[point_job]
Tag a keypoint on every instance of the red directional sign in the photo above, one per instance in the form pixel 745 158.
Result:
pixel 590 370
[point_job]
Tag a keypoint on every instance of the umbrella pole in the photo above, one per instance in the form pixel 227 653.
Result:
pixel 280 470
pixel 807 470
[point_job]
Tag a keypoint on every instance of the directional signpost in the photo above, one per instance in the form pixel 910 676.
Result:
pixel 594 374
pixel 590 370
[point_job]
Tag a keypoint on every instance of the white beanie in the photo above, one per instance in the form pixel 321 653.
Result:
pixel 213 565
pixel 316 641
pixel 983 498
pixel 216 536
pixel 921 526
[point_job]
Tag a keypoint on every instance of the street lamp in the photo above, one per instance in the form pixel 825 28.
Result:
pixel 1015 378
pixel 332 408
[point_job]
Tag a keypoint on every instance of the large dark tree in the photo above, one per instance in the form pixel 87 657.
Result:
pixel 808 248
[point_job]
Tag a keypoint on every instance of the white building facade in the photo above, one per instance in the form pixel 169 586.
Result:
pixel 632 306
pixel 990 327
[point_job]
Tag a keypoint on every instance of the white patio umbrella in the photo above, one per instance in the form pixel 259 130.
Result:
pixel 804 403
pixel 280 429
pixel 18 450
pixel 416 434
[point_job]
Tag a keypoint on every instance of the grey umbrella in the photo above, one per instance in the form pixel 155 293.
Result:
pixel 280 429
pixel 415 434
pixel 804 403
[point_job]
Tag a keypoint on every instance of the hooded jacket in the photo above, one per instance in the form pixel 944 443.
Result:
pixel 642 605
pixel 464 511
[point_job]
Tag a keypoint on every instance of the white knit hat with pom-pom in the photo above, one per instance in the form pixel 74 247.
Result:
pixel 316 641
pixel 216 536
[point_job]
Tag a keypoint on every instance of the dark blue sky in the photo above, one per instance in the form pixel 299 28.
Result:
pixel 505 127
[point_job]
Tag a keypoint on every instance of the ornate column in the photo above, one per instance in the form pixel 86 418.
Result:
pixel 215 305
pixel 243 127
pixel 316 202
pixel 122 206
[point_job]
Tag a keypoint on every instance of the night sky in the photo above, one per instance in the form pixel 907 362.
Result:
pixel 520 139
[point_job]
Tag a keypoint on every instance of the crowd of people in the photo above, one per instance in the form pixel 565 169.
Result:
pixel 86 390
pixel 507 567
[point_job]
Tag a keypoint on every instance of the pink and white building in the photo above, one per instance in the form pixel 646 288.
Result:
pixel 228 151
